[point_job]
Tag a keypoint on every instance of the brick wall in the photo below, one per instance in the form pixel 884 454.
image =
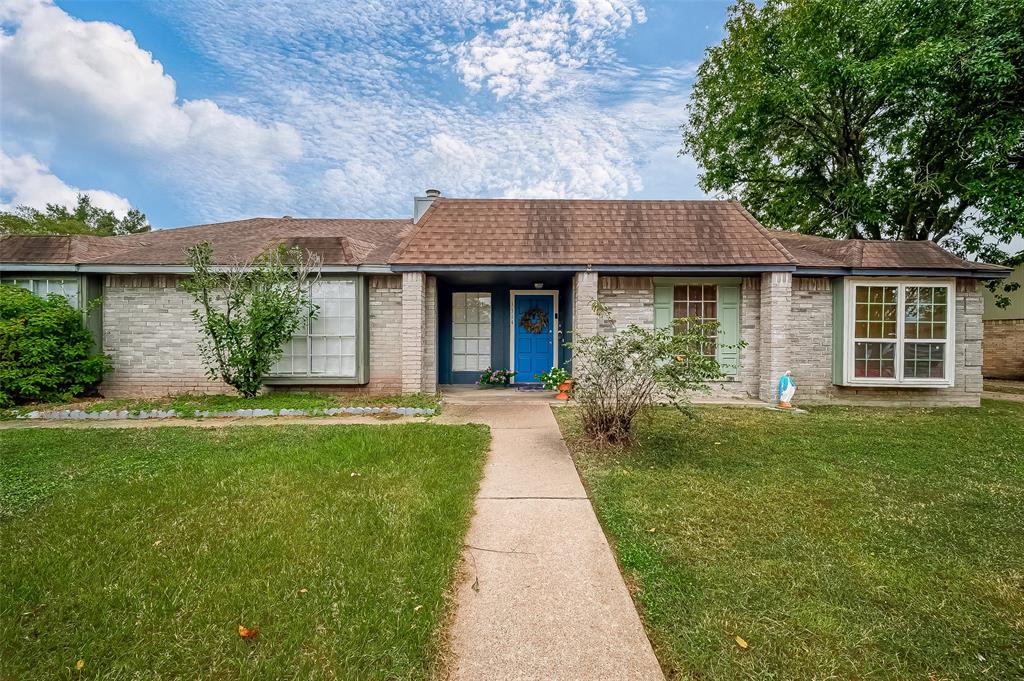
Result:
pixel 151 338
pixel 1004 348
pixel 149 333
pixel 630 300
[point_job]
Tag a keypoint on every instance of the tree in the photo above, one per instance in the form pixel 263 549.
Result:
pixel 247 312
pixel 84 218
pixel 881 119
pixel 617 377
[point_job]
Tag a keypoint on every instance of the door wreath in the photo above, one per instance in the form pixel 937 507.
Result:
pixel 534 320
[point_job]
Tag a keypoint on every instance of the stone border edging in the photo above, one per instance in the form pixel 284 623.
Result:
pixel 145 414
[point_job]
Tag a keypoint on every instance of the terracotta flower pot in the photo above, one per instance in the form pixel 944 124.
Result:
pixel 563 390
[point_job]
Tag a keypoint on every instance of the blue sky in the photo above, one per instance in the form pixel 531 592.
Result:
pixel 207 110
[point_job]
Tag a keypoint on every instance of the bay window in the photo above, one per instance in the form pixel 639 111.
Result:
pixel 898 333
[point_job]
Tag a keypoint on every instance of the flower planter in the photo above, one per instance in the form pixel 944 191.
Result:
pixel 563 390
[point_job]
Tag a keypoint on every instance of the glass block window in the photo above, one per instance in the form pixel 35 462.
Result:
pixel 471 331
pixel 325 346
pixel 901 332
pixel 698 302
pixel 42 287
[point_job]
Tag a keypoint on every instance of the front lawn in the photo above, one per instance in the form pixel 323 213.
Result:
pixel 187 404
pixel 845 543
pixel 140 552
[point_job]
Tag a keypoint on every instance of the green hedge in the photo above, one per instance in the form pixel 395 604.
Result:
pixel 46 353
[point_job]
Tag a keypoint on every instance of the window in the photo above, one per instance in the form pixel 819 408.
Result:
pixel 325 346
pixel 471 331
pixel 700 302
pixel 65 286
pixel 900 333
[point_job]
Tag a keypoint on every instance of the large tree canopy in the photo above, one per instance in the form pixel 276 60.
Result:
pixel 84 218
pixel 882 119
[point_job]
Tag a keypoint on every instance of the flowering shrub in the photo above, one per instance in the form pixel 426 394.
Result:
pixel 496 376
pixel 553 377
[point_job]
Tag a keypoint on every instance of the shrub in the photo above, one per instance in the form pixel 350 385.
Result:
pixel 248 311
pixel 617 377
pixel 46 353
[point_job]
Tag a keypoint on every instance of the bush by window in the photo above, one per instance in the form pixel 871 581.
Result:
pixel 46 353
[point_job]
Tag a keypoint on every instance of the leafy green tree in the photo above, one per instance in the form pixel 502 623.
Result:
pixel 881 119
pixel 248 312
pixel 84 218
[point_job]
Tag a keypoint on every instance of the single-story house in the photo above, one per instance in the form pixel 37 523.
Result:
pixel 467 284
pixel 1004 332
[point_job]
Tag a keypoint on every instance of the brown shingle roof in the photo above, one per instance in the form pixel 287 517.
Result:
pixel 816 251
pixel 57 250
pixel 507 232
pixel 338 242
pixel 584 232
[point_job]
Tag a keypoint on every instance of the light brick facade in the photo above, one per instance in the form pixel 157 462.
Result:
pixel 786 322
pixel 152 340
pixel 1004 348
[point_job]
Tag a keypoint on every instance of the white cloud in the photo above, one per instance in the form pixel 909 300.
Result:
pixel 97 87
pixel 26 181
pixel 539 53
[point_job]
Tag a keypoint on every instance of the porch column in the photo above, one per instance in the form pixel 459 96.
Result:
pixel 773 353
pixel 414 286
pixel 584 293
pixel 430 336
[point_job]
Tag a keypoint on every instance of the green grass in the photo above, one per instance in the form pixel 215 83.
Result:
pixel 186 404
pixel 142 551
pixel 841 544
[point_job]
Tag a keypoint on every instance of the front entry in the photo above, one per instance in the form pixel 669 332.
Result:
pixel 533 335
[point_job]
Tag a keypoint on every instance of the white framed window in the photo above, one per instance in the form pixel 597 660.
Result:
pixel 69 287
pixel 326 346
pixel 899 332
pixel 471 331
pixel 700 302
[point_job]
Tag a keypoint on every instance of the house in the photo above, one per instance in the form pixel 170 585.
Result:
pixel 466 284
pixel 1004 332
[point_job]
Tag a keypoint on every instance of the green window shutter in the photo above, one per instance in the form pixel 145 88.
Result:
pixel 728 328
pixel 838 327
pixel 662 307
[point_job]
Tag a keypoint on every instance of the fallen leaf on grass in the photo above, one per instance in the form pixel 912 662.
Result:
pixel 652 529
pixel 302 591
pixel 741 643
pixel 356 475
pixel 417 608
pixel 246 632
pixel 79 665
pixel 158 542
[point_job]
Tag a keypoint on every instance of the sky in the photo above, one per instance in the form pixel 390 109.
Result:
pixel 199 111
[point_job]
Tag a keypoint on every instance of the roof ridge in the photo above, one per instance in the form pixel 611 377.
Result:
pixel 772 239
pixel 417 226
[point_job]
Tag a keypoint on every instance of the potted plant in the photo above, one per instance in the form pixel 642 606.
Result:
pixel 556 378
pixel 495 378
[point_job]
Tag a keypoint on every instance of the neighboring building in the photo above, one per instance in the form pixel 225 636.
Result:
pixel 468 284
pixel 1004 332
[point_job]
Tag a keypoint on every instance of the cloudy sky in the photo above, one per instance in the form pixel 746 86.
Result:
pixel 205 110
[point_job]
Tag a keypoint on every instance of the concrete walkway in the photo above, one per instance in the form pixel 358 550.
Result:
pixel 541 596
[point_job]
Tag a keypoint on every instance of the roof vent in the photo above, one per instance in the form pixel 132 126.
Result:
pixel 287 217
pixel 420 204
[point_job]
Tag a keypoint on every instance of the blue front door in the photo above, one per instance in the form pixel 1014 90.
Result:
pixel 534 318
